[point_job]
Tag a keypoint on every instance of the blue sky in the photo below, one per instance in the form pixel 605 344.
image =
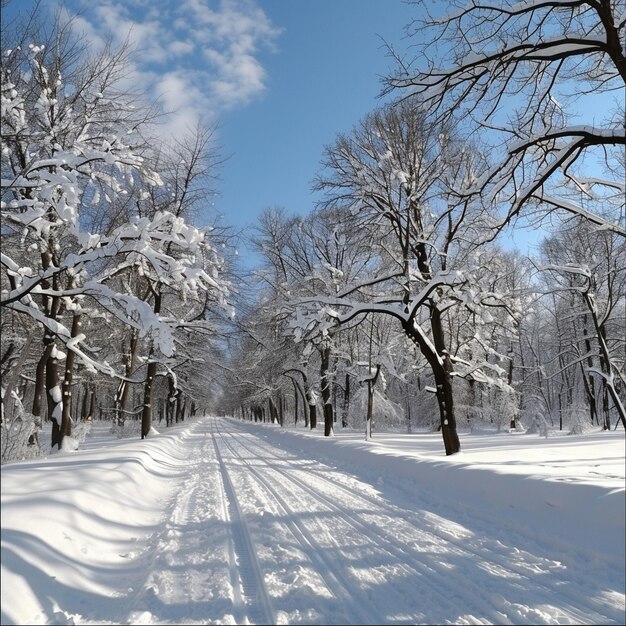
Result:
pixel 322 77
pixel 279 77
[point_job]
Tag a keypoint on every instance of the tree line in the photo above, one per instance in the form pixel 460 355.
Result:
pixel 396 291
pixel 394 303
pixel 109 290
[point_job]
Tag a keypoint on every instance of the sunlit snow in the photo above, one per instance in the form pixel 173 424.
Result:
pixel 223 521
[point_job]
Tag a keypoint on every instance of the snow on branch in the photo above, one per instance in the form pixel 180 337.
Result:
pixel 511 72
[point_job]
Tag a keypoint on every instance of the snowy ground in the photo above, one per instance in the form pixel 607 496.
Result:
pixel 221 521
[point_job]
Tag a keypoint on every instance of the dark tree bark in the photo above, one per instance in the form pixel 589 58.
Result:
pixel 295 401
pixel 40 375
pixel 605 365
pixel 273 413
pixel 92 405
pixel 66 417
pixel 178 405
pixel 54 399
pixel 308 398
pixel 325 389
pixel 513 424
pixel 441 367
pixel 54 404
pixel 146 414
pixel 84 409
pixel 281 410
pixel 371 382
pixel 346 403
pixel 312 413
pixel 121 397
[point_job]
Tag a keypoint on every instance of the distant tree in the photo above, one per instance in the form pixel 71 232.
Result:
pixel 588 269
pixel 187 170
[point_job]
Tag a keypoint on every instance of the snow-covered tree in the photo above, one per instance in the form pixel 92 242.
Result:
pixel 72 141
pixel 588 270
pixel 394 173
pixel 543 81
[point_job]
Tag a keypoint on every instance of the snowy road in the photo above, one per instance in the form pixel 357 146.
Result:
pixel 220 521
pixel 299 542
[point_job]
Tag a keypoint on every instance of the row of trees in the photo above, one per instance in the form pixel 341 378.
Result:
pixel 109 292
pixel 396 283
pixel 393 301
pixel 536 340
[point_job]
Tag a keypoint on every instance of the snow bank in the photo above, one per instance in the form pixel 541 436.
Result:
pixel 72 525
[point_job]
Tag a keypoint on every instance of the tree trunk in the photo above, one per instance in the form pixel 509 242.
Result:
pixel 148 390
pixel 605 365
pixel 272 411
pixel 441 367
pixel 606 422
pixel 169 402
pixel 307 395
pixel 513 424
pixel 312 411
pixel 295 402
pixel 325 388
pixel 11 374
pixel 409 429
pixel 40 374
pixel 443 382
pixel 84 409
pixel 66 417
pixel 178 396
pixel 590 387
pixel 371 382
pixel 54 399
pixel 121 397
pixel 370 410
pixel 346 403
pixel 92 404
pixel 334 394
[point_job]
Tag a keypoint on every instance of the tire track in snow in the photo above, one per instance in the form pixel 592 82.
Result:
pixel 239 604
pixel 502 565
pixel 187 575
pixel 337 582
pixel 250 575
pixel 149 553
pixel 578 612
pixel 584 605
pixel 409 565
pixel 387 544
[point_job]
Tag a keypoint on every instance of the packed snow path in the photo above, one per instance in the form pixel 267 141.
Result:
pixel 244 524
pixel 306 543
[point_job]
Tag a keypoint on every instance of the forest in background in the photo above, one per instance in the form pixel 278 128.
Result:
pixel 394 302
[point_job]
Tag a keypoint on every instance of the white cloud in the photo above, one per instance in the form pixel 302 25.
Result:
pixel 199 57
pixel 84 28
pixel 175 91
pixel 181 48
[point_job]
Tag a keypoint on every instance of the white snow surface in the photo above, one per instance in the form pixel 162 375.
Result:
pixel 223 521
